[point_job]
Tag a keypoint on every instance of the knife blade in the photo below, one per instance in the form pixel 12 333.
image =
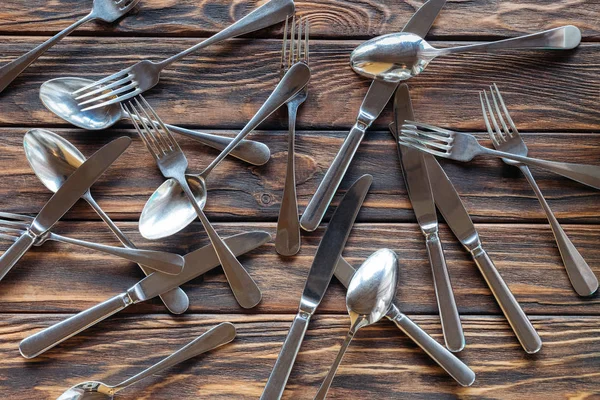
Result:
pixel 196 263
pixel 421 198
pixel 319 276
pixel 452 208
pixel 64 198
pixel 375 100
pixel 448 361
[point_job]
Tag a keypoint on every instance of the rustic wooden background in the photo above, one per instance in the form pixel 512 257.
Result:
pixel 553 97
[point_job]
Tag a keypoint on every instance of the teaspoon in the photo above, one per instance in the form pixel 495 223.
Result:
pixel 400 56
pixel 57 96
pixel 370 295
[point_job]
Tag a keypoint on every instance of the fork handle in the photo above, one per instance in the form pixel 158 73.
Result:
pixel 580 274
pixel 582 173
pixel 8 72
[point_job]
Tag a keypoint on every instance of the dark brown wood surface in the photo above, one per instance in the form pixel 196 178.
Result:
pixel 553 98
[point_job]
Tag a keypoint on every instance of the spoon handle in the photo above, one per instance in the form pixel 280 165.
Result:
pixel 216 337
pixel 175 300
pixel 322 393
pixel 9 71
pixel 448 361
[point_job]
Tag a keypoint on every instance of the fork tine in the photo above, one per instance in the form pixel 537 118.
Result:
pixel 306 30
pixel 292 42
pixel 510 121
pixel 18 217
pixel 491 132
pixel 299 41
pixel 500 136
pixel 112 77
pixel 431 135
pixel 8 237
pixel 282 67
pixel 118 99
pixel 415 144
pixel 432 128
pixel 164 133
pixel 499 113
pixel 137 120
pixel 152 132
pixel 110 94
pixel 15 231
pixel 102 89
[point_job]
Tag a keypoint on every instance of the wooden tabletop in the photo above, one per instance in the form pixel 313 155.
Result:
pixel 553 97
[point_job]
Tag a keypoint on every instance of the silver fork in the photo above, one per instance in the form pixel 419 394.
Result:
pixel 287 241
pixel 144 75
pixel 461 146
pixel 12 226
pixel 172 164
pixel 105 10
pixel 509 140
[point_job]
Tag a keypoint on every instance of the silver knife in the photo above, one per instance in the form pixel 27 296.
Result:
pixel 319 276
pixel 373 104
pixel 196 263
pixel 452 208
pixel 448 361
pixel 64 198
pixel 421 198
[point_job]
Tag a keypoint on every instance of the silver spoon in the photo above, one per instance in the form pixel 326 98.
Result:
pixel 400 56
pixel 53 159
pixel 370 295
pixel 217 336
pixel 168 210
pixel 105 10
pixel 56 95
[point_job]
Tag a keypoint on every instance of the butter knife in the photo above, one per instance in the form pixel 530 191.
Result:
pixel 452 208
pixel 377 97
pixel 64 198
pixel 196 263
pixel 320 274
pixel 421 198
pixel 448 361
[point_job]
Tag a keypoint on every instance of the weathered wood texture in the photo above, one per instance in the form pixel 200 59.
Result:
pixel 381 362
pixel 492 191
pixel 550 90
pixel 334 19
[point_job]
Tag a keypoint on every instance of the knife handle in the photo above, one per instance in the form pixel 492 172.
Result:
pixel 46 339
pixel 448 361
pixel 314 212
pixel 451 326
pixel 14 253
pixel 525 332
pixel 285 361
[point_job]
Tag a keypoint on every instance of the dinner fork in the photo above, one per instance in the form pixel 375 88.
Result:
pixel 509 139
pixel 287 241
pixel 105 10
pixel 172 164
pixel 12 226
pixel 461 146
pixel 144 75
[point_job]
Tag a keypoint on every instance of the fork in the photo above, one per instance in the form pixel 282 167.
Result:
pixel 144 75
pixel 509 139
pixel 461 146
pixel 287 241
pixel 172 164
pixel 12 226
pixel 105 10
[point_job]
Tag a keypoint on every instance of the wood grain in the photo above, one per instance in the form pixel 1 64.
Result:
pixel 341 19
pixel 223 86
pixel 381 361
pixel 63 278
pixel 492 191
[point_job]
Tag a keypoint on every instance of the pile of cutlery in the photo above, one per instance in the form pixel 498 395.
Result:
pixel 176 203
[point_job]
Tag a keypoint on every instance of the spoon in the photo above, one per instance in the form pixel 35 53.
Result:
pixel 92 390
pixel 105 10
pixel 400 56
pixel 370 295
pixel 168 210
pixel 53 159
pixel 56 95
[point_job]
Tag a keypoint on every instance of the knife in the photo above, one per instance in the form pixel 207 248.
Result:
pixel 196 263
pixel 320 274
pixel 377 97
pixel 64 198
pixel 448 361
pixel 452 208
pixel 421 198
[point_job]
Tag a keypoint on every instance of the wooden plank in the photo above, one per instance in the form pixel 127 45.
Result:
pixel 379 360
pixel 225 84
pixel 332 19
pixel 491 190
pixel 61 278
